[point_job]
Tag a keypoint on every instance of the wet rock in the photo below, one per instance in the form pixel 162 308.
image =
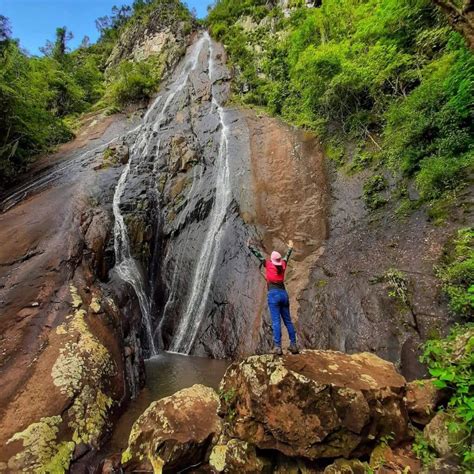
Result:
pixel 440 438
pixel 181 155
pixel 347 466
pixel 96 234
pixel 114 155
pixel 315 404
pixel 174 432
pixel 422 399
pixel 238 456
pixel 120 153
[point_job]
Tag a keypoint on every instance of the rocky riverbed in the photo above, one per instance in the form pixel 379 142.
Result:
pixel 316 412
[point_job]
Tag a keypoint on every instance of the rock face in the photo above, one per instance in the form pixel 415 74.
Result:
pixel 349 304
pixel 64 324
pixel 319 404
pixel 163 35
pixel 174 432
pixel 202 179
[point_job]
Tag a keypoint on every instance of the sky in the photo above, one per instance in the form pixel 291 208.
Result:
pixel 35 21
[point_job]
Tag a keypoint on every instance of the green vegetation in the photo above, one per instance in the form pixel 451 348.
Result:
pixel 457 273
pixel 451 362
pixel 372 189
pixel 41 98
pixel 389 75
pixel 133 82
pixel 423 451
pixel 398 285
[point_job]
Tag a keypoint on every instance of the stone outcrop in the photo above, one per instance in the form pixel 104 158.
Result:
pixel 387 460
pixel 174 432
pixel 440 437
pixel 315 412
pixel 163 35
pixel 319 404
pixel 422 400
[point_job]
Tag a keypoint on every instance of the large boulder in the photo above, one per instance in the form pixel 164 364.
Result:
pixel 438 435
pixel 174 432
pixel 317 404
pixel 422 399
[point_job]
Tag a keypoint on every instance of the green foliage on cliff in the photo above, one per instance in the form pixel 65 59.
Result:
pixel 36 94
pixel 388 74
pixel 133 82
pixel 451 362
pixel 457 273
pixel 41 96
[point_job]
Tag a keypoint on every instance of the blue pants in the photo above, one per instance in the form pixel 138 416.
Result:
pixel 279 306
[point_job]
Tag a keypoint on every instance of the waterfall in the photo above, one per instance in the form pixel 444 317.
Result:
pixel 126 266
pixel 203 276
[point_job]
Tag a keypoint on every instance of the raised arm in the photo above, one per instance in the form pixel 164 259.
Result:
pixel 256 252
pixel 289 251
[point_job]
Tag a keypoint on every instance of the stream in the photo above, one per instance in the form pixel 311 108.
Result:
pixel 166 373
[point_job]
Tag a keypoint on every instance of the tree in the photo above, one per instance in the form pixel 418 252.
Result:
pixel 103 23
pixel 461 16
pixel 120 15
pixel 63 36
pixel 59 48
pixel 5 30
pixel 85 43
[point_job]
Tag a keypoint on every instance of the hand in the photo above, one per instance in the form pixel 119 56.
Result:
pixel 290 244
pixel 248 242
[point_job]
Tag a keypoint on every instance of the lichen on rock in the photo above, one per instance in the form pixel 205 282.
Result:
pixel 319 404
pixel 174 432
pixel 237 456
pixel 42 452
pixel 80 372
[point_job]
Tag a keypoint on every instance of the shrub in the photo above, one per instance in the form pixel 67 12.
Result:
pixel 457 273
pixel 133 82
pixel 440 174
pixel 371 191
pixel 451 362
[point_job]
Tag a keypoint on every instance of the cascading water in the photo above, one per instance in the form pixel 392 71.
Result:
pixel 126 266
pixel 203 276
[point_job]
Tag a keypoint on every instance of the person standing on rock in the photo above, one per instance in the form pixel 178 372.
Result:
pixel 278 301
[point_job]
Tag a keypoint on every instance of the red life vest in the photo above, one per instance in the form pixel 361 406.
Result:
pixel 271 272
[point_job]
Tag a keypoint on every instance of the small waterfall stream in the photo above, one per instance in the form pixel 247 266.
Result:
pixel 127 266
pixel 194 313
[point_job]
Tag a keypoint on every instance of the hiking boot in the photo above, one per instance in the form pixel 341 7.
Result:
pixel 277 351
pixel 293 349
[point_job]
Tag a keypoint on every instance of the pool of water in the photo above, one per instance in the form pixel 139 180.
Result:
pixel 166 374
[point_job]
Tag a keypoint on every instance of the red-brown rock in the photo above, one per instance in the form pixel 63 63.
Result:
pixel 422 399
pixel 174 432
pixel 316 404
